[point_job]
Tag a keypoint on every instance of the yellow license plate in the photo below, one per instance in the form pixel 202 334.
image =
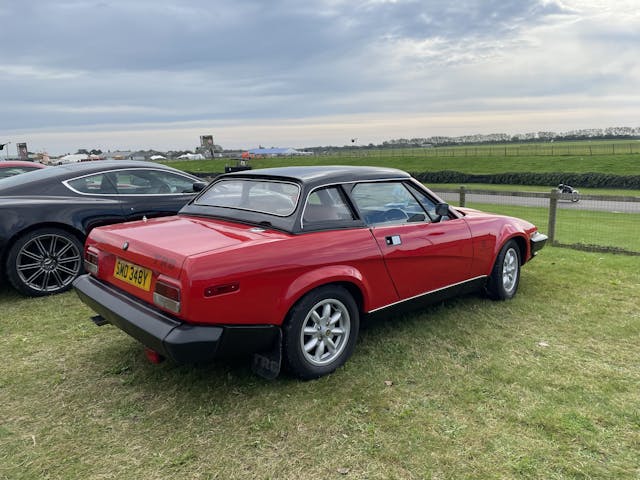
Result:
pixel 132 274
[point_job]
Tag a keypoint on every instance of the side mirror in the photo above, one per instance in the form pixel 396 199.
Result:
pixel 442 209
pixel 199 186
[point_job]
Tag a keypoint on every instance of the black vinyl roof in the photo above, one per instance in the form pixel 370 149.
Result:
pixel 323 175
pixel 309 178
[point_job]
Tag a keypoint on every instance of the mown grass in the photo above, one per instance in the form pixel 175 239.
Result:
pixel 410 161
pixel 544 386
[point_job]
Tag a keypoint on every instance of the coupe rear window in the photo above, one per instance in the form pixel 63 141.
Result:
pixel 264 196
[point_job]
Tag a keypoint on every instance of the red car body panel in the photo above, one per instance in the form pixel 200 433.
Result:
pixel 427 249
pixel 272 268
pixel 276 269
pixel 490 232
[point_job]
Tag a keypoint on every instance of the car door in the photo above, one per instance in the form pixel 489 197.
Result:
pixel 151 192
pixel 421 254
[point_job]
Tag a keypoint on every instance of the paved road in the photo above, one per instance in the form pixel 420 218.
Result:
pixel 595 205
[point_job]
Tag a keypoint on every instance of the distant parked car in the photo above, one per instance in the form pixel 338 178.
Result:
pixel 46 214
pixel 9 168
pixel 284 263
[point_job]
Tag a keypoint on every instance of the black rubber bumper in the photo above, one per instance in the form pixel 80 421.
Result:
pixel 538 241
pixel 174 339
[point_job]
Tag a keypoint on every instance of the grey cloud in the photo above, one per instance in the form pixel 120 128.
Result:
pixel 146 35
pixel 87 61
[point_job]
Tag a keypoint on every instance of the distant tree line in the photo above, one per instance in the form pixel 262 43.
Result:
pixel 611 133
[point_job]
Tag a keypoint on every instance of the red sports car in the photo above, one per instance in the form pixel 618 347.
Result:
pixel 284 263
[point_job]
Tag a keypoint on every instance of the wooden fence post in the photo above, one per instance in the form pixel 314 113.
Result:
pixel 553 209
pixel 463 196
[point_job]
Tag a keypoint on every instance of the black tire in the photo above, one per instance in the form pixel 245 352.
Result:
pixel 575 196
pixel 44 262
pixel 505 276
pixel 325 319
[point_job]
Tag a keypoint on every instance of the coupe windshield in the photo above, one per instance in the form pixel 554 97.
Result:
pixel 264 196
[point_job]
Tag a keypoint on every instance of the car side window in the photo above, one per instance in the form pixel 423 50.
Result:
pixel 151 182
pixel 387 203
pixel 132 182
pixel 326 204
pixel 97 184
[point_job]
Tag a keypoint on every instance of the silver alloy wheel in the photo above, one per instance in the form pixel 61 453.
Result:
pixel 510 270
pixel 48 262
pixel 325 332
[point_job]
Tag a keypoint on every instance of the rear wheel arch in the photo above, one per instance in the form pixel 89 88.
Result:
pixel 347 278
pixel 31 228
pixel 61 226
pixel 354 290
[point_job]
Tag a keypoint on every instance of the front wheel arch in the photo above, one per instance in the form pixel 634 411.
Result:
pixel 522 246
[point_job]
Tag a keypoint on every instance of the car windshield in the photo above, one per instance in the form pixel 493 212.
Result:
pixel 264 196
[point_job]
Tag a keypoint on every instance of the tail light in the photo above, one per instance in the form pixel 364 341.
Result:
pixel 167 296
pixel 91 261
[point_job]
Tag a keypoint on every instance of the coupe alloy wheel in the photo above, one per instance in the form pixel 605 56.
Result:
pixel 505 275
pixel 510 270
pixel 325 332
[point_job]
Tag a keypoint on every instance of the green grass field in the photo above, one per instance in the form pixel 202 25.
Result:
pixel 551 149
pixel 628 164
pixel 541 387
pixel 544 386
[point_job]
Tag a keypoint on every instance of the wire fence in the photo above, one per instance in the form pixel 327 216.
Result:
pixel 594 222
pixel 527 150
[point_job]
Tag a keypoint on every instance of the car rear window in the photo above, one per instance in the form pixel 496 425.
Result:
pixel 264 196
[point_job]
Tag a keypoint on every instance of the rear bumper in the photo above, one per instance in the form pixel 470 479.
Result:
pixel 538 240
pixel 171 338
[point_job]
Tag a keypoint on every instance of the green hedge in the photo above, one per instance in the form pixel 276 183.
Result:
pixel 577 180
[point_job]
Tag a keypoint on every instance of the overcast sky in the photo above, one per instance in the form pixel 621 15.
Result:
pixel 133 74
